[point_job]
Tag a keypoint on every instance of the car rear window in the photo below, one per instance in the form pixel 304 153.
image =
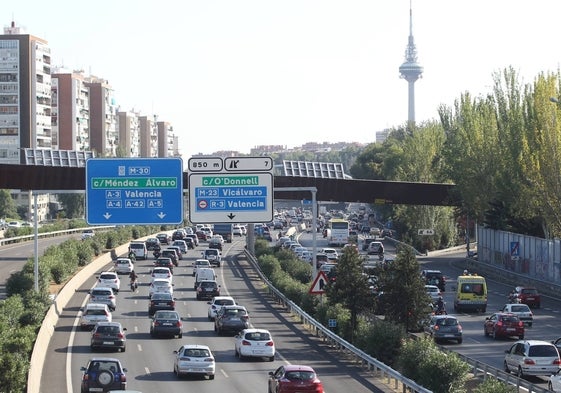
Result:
pixel 521 308
pixel 299 375
pixel 543 351
pixel 509 318
pixel 224 302
pixel 107 276
pixel 530 291
pixel 101 292
pixel 258 336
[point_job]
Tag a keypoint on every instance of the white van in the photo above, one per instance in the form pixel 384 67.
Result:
pixel 204 273
pixel 139 249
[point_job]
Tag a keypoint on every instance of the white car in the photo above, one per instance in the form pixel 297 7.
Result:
pixel 124 266
pixel 522 311
pixel 200 263
pixel 161 272
pixel 237 230
pixel 94 313
pixel 194 359
pixel 109 279
pixel 160 285
pixel 554 383
pixel 434 292
pixel 217 303
pixel 331 253
pixel 254 343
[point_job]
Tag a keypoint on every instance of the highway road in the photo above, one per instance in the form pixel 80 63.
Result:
pixel 150 361
pixel 13 256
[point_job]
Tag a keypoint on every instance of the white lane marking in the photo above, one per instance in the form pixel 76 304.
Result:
pixel 69 388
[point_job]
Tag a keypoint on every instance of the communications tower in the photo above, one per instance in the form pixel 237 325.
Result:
pixel 411 70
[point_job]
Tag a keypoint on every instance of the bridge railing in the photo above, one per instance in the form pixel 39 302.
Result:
pixel 20 239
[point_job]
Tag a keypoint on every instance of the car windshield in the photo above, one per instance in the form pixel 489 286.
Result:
pixel 166 315
pixel 543 351
pixel 108 329
pixel 447 322
pixel 196 353
pixel 299 375
pixel 257 336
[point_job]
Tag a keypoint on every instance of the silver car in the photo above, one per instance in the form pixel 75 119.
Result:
pixel 104 295
pixel 94 313
pixel 194 359
pixel 532 357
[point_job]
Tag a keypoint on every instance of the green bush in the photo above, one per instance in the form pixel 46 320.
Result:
pixel 420 360
pixel 381 340
pixel 492 385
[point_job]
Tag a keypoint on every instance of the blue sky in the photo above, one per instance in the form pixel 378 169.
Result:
pixel 233 74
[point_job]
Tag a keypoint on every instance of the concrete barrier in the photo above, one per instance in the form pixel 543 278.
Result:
pixel 41 345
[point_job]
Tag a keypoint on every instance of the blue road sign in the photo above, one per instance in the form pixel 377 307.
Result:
pixel 129 191
pixel 514 249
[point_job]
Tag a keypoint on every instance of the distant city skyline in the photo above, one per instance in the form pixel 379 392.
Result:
pixel 234 75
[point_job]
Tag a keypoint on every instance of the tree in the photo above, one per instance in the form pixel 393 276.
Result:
pixel 7 205
pixel 351 287
pixel 404 299
pixel 73 204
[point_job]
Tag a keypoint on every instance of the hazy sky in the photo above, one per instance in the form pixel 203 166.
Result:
pixel 234 74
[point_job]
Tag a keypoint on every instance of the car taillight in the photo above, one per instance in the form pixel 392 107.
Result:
pixel 121 335
pixel 173 303
pixel 245 317
pixel 270 344
pixel 459 327
pixel 123 378
pixel 106 314
pixel 178 324
pixel 245 342
pixel 152 302
pixel 436 327
pixel 112 297
pixel 557 362
pixel 529 361
pixel 97 335
pixel 156 323
pixel 520 324
pixel 500 323
pixel 86 377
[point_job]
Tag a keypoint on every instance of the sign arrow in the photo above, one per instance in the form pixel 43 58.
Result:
pixel 107 216
pixel 161 215
pixel 231 216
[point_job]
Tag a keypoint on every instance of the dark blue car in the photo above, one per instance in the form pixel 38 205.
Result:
pixel 103 375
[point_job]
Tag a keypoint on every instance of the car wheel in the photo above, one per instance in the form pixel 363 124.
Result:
pixel 92 348
pixel 105 378
pixel 550 386
pixel 521 337
pixel 495 334
pixel 505 366
pixel 485 332
pixel 519 372
pixel 180 335
pixel 460 341
pixel 152 334
pixel 123 349
pixel 211 377
pixel 272 358
pixel 530 324
pixel 538 305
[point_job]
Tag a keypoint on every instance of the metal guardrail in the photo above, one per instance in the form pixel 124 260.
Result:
pixel 19 239
pixel 378 368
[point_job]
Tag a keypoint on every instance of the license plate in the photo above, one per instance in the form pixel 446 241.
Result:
pixel 96 389
pixel 510 329
pixel 108 343
pixel 167 324
pixel 162 304
pixel 448 335
pixel 530 298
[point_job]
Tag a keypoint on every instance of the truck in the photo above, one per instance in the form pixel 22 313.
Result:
pixel 226 230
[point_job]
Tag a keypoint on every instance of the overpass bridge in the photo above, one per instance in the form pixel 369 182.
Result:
pixel 49 179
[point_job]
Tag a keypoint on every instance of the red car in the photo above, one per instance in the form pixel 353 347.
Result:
pixel 294 378
pixel 503 325
pixel 529 296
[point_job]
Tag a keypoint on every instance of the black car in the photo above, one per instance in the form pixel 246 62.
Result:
pixel 108 335
pixel 172 254
pixel 164 262
pixel 152 243
pixel 177 235
pixel 217 244
pixel 103 375
pixel 232 319
pixel 166 323
pixel 207 289
pixel 434 277
pixel 190 242
pixel 161 301
pixel 164 238
pixel 194 237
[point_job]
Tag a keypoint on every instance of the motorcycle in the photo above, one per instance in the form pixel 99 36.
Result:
pixel 513 299
pixel 381 256
pixel 132 256
pixel 156 253
pixel 134 285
